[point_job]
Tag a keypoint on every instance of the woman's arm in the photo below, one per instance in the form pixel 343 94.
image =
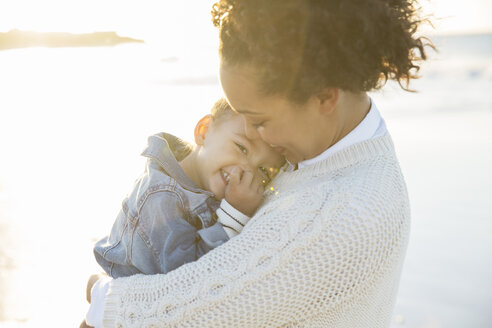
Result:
pixel 299 255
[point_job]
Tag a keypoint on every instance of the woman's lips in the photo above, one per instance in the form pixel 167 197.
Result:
pixel 278 149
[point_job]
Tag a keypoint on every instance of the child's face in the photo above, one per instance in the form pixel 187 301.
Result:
pixel 224 146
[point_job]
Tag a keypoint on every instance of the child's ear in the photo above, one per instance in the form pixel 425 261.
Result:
pixel 201 129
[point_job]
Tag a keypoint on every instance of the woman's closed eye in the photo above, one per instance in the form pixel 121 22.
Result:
pixel 242 148
pixel 258 125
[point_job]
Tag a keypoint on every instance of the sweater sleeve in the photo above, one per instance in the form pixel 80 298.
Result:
pixel 299 255
pixel 232 220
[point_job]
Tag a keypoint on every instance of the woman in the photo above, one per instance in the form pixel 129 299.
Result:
pixel 327 246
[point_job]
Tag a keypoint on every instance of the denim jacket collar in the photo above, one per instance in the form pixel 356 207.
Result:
pixel 167 150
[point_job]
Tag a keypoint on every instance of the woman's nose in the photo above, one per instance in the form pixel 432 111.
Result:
pixel 250 130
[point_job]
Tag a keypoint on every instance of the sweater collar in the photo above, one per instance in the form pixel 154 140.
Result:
pixel 356 153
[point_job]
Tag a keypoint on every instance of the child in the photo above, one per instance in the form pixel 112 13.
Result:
pixel 173 215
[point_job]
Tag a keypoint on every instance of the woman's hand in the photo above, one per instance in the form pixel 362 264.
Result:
pixel 84 325
pixel 94 315
pixel 90 283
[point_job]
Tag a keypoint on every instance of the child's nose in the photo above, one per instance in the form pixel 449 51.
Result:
pixel 252 164
pixel 246 165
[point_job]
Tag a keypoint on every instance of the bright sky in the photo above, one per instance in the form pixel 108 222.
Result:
pixel 459 16
pixel 151 18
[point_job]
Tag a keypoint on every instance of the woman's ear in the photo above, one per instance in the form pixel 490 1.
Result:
pixel 328 100
pixel 201 129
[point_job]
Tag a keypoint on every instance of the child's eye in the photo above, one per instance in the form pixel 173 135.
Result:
pixel 242 148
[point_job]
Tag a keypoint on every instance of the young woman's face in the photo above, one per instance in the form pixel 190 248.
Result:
pixel 295 131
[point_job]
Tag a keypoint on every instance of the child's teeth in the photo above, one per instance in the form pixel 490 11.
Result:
pixel 226 176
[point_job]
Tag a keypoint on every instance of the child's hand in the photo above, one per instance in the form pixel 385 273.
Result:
pixel 244 192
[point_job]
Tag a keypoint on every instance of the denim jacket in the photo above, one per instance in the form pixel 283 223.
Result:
pixel 165 221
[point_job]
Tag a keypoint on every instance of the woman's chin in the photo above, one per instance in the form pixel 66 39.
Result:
pixel 291 158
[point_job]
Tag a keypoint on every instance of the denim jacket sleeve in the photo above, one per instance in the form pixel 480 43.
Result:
pixel 164 237
pixel 160 239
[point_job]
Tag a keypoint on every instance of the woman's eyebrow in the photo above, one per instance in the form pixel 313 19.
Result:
pixel 245 111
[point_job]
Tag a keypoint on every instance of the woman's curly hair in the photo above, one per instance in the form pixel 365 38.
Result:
pixel 299 47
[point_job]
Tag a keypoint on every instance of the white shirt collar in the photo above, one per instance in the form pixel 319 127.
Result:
pixel 372 126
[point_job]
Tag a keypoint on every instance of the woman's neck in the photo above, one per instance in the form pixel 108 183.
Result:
pixel 352 108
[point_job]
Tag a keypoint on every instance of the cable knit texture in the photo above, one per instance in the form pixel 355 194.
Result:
pixel 325 250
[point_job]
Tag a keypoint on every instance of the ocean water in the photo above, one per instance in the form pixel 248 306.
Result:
pixel 74 121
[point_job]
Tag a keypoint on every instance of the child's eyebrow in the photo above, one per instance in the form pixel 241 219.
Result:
pixel 244 139
pixel 242 136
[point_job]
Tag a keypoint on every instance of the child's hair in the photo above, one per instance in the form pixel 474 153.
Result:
pixel 299 47
pixel 220 110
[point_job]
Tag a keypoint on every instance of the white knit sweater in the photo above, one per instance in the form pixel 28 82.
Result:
pixel 325 250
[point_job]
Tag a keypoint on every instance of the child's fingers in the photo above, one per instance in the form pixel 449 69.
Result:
pixel 247 178
pixel 257 184
pixel 235 176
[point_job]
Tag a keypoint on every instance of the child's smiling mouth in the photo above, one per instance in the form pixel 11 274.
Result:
pixel 225 176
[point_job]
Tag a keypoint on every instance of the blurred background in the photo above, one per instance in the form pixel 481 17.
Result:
pixel 77 106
